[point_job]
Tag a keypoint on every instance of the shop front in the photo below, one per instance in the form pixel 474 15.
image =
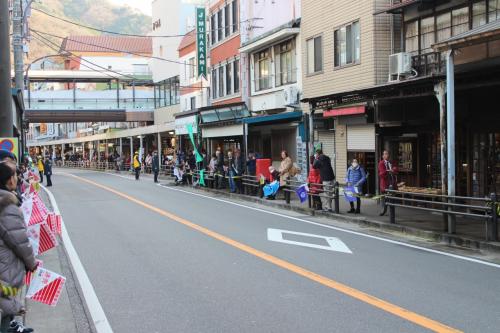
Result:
pixel 183 121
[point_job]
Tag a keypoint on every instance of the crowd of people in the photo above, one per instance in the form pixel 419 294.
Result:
pixel 16 253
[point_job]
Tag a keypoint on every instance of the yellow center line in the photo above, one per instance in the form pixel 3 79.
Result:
pixel 340 287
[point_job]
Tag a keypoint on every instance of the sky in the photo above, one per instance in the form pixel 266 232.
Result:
pixel 143 5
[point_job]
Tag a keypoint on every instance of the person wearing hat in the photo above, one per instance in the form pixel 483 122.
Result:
pixel 137 165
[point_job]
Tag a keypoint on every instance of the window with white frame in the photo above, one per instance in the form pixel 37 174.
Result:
pixel 192 68
pixel 347 45
pixel 285 63
pixel 226 79
pixel 224 22
pixel 314 55
pixel 262 70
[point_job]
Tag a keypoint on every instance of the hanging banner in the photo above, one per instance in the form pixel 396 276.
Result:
pixel 201 38
pixel 199 158
pixel 11 145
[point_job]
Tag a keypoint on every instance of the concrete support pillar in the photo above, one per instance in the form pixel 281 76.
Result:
pixel 120 149
pixel 131 152
pixel 450 119
pixel 440 90
pixel 53 152
pixel 98 151
pixel 159 150
pixel 141 147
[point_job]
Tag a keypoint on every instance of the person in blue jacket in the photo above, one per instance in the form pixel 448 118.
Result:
pixel 356 177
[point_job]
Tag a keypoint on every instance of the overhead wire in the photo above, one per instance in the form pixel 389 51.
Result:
pixel 103 30
pixel 109 48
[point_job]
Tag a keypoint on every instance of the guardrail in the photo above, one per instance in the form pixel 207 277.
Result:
pixel 482 209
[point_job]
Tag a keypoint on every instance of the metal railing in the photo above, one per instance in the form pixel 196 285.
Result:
pixel 432 63
pixel 480 209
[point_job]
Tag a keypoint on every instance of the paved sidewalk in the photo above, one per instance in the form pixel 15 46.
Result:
pixel 69 316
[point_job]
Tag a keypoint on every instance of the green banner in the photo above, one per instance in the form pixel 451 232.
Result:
pixel 189 128
pixel 202 177
pixel 201 33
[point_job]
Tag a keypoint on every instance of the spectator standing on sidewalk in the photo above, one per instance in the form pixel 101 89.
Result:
pixel 155 165
pixel 314 180
pixel 16 252
pixel 387 173
pixel 239 168
pixel 324 165
pixel 40 168
pixel 231 171
pixel 219 169
pixel 47 167
pixel 356 177
pixel 137 165
pixel 148 161
pixel 251 164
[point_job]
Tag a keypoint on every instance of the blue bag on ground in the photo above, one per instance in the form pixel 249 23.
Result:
pixel 271 189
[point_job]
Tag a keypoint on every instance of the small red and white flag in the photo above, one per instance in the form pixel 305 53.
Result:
pixel 39 212
pixel 45 287
pixel 29 274
pixel 54 221
pixel 27 208
pixel 41 238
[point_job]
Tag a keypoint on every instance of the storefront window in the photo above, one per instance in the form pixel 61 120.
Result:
pixel 405 157
pixel 494 10
pixel 226 114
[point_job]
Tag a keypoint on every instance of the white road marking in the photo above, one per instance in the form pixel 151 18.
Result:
pixel 96 311
pixel 334 244
pixel 352 232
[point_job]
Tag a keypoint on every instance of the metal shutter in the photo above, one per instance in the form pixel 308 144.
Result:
pixel 361 138
pixel 327 138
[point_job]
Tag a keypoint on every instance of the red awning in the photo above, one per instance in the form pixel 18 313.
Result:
pixel 346 111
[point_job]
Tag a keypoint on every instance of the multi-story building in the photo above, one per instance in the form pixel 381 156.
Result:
pixel 345 48
pixel 272 78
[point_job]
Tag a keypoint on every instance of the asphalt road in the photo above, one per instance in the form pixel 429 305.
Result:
pixel 164 260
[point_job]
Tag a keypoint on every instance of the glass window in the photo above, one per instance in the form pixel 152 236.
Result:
pixel 220 32
pixel 168 95
pixel 262 70
pixel 227 24
pixel 214 83
pixel 459 20
pixel 443 26
pixel 236 76
pixel 241 112
pixel 225 114
pixel 235 16
pixel 494 10
pixel 209 116
pixel 285 63
pixel 213 29
pixel 177 90
pixel 221 81
pixel 346 45
pixel 229 80
pixel 314 55
pixel 478 14
pixel 426 34
pixel 193 103
pixel 411 37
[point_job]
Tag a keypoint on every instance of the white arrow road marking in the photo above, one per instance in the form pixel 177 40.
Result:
pixel 333 243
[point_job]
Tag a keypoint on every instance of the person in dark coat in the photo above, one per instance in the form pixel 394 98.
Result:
pixel 219 169
pixel 47 170
pixel 16 252
pixel 387 172
pixel 155 167
pixel 239 169
pixel 324 165
pixel 251 164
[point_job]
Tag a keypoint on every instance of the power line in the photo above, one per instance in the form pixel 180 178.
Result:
pixel 102 30
pixel 94 64
pixel 111 49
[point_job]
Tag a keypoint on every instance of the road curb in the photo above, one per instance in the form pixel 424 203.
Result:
pixel 444 238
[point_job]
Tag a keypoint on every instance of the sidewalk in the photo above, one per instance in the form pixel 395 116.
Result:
pixel 69 316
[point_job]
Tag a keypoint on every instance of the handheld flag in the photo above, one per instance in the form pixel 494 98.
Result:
pixel 54 221
pixel 302 193
pixel 41 238
pixel 45 287
pixel 29 274
pixel 350 194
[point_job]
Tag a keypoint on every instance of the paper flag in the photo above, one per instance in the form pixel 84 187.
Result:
pixel 27 208
pixel 54 221
pixel 41 238
pixel 39 212
pixel 29 274
pixel 45 287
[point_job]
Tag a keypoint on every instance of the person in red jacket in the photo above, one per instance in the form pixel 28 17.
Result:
pixel 387 172
pixel 314 180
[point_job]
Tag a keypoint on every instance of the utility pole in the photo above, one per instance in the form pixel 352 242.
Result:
pixel 17 43
pixel 6 121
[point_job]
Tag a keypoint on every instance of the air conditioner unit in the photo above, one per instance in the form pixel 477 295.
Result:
pixel 399 66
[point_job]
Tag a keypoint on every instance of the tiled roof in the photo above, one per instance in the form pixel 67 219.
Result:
pixel 107 44
pixel 187 40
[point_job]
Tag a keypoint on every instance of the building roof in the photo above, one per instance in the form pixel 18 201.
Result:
pixel 477 35
pixel 397 6
pixel 187 40
pixel 107 44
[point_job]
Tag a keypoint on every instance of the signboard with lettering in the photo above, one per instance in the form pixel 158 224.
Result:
pixel 11 145
pixel 201 37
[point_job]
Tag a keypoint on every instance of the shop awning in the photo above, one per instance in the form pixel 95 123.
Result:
pixel 345 111
pixel 223 113
pixel 275 118
pixel 481 34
